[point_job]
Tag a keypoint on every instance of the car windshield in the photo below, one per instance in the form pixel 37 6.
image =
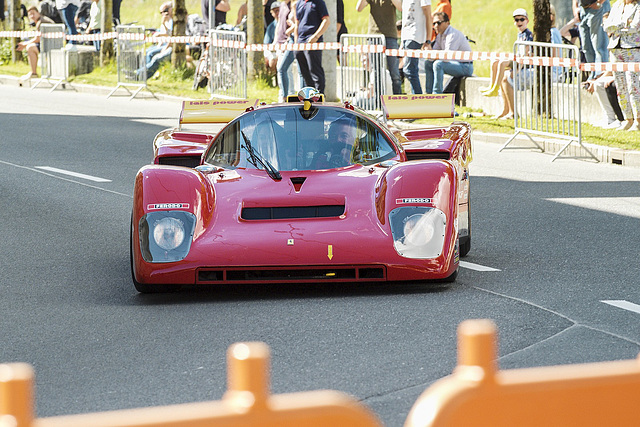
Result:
pixel 289 138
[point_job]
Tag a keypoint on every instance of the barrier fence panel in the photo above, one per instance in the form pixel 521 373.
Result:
pixel 546 81
pixel 131 59
pixel 478 393
pixel 53 56
pixel 228 64
pixel 247 402
pixel 363 70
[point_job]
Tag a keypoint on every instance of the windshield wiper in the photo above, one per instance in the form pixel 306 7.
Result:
pixel 255 158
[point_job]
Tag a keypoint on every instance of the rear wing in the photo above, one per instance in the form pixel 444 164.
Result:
pixel 426 106
pixel 214 111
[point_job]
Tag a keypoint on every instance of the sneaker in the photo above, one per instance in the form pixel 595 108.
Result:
pixel 613 125
pixel 635 127
pixel 70 47
pixel 28 76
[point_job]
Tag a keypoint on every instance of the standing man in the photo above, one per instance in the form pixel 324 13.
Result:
pixel 32 46
pixel 593 38
pixel 68 10
pixel 447 38
pixel 312 20
pixel 416 26
pixel 382 20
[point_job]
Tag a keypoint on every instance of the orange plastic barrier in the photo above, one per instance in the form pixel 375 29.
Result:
pixel 478 394
pixel 247 402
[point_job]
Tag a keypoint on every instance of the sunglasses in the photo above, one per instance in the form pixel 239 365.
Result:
pixel 438 22
pixel 164 11
pixel 519 19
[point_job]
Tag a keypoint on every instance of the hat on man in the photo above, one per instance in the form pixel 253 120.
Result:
pixel 275 5
pixel 520 12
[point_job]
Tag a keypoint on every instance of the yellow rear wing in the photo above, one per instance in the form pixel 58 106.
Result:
pixel 427 106
pixel 214 110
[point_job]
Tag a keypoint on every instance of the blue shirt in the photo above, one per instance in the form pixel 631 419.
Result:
pixel 525 36
pixel 309 14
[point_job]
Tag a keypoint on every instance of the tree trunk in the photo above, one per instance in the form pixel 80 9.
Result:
pixel 106 25
pixel 255 35
pixel 179 50
pixel 542 33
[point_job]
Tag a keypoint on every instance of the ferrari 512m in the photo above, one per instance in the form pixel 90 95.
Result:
pixel 303 192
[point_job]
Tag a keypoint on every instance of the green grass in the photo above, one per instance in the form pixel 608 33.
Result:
pixel 489 23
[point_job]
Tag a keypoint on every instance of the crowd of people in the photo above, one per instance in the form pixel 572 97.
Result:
pixel 604 33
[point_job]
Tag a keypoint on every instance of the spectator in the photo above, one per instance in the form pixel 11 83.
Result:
pixel 94 21
pixel 448 38
pixel 242 14
pixel 270 57
pixel 499 67
pixel 592 35
pixel 500 76
pixel 341 27
pixel 312 20
pixel 32 46
pixel 416 26
pixel 115 10
pixel 443 6
pixel 68 9
pixel 160 52
pixel 382 20
pixel 604 88
pixel 220 12
pixel 83 15
pixel 624 26
pixel 284 31
pixel 268 18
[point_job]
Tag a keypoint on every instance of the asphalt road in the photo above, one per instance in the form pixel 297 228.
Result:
pixel 561 238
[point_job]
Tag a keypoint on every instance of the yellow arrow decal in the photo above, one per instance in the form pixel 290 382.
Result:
pixel 330 252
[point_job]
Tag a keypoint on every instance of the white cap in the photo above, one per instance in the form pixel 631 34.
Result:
pixel 520 12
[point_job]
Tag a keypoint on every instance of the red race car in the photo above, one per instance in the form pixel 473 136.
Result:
pixel 303 192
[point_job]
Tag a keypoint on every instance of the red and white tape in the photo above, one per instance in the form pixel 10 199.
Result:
pixel 425 54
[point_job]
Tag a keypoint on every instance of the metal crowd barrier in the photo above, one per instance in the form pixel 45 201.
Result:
pixel 131 62
pixel 228 60
pixel 363 70
pixel 546 87
pixel 54 64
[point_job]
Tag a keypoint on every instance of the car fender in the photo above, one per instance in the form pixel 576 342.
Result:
pixel 174 188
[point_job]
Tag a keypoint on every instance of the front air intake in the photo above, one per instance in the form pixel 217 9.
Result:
pixel 292 212
pixel 310 274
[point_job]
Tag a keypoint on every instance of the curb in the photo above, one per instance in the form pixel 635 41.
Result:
pixel 616 156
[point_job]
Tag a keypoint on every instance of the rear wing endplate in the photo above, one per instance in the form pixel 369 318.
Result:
pixel 214 111
pixel 425 106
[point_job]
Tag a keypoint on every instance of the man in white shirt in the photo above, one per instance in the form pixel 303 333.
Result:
pixel 416 24
pixel 447 38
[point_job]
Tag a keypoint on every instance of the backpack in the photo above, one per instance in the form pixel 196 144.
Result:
pixel 196 25
pixel 48 9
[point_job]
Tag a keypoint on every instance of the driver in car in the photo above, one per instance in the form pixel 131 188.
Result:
pixel 340 142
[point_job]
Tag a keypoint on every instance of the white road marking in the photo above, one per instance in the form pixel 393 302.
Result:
pixel 476 267
pixel 625 305
pixel 74 174
pixel 627 206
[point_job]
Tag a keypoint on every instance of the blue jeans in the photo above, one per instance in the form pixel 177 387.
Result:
pixel 155 56
pixel 592 36
pixel 393 64
pixel 411 66
pixel 68 17
pixel 435 71
pixel 284 66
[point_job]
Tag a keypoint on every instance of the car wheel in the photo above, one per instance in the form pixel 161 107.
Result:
pixel 145 288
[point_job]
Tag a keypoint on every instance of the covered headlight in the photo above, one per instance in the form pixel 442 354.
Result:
pixel 418 231
pixel 165 236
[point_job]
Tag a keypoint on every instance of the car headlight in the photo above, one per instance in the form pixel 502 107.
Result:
pixel 165 236
pixel 418 231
